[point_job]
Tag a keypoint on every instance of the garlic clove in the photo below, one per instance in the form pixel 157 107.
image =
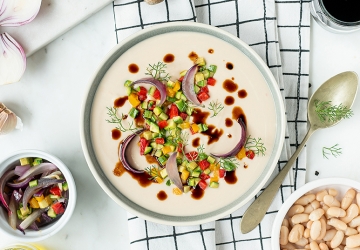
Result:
pixel 8 121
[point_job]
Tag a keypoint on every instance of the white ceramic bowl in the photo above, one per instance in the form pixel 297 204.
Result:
pixel 340 184
pixel 51 229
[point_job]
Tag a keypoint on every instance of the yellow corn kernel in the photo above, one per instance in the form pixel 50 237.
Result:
pixel 134 100
pixel 34 203
pixel 241 154
pixel 194 128
pixel 40 198
pixel 166 150
pixel 214 167
pixel 176 86
pixel 184 175
pixel 177 191
pixel 170 92
pixel 214 179
pixel 184 125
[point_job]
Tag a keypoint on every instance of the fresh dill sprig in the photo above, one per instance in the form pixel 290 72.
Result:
pixel 334 151
pixel 115 119
pixel 331 113
pixel 229 163
pixel 215 107
pixel 200 149
pixel 154 172
pixel 255 145
pixel 157 71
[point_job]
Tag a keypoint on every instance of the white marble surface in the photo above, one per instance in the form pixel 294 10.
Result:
pixel 50 94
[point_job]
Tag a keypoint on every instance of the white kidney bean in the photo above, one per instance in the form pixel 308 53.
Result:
pixel 358 229
pixel 338 224
pixel 351 213
pixel 307 233
pixel 350 231
pixel 320 195
pixel 285 223
pixel 355 222
pixel 306 199
pixel 315 230
pixel 309 223
pixel 323 228
pixel 358 199
pixel 323 246
pixel 329 235
pixel 353 241
pixel 314 246
pixel 316 214
pixel 288 246
pixel 335 212
pixel 351 248
pixel 299 218
pixel 302 242
pixel 295 209
pixel 338 238
pixel 348 198
pixel 331 201
pixel 284 234
pixel 333 192
pixel 296 233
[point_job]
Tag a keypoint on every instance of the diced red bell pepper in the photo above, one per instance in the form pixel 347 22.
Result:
pixel 179 149
pixel 183 115
pixel 160 140
pixel 250 154
pixel 181 79
pixel 173 111
pixel 143 144
pixel 55 191
pixel 204 164
pixel 222 172
pixel 58 208
pixel 142 97
pixel 142 91
pixel 202 184
pixel 192 155
pixel 162 124
pixel 203 96
pixel 211 81
pixel 204 176
pixel 157 94
pixel 204 89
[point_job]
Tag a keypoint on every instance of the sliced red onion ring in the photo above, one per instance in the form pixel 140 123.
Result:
pixel 20 170
pixel 172 171
pixel 12 60
pixel 122 151
pixel 12 207
pixel 3 180
pixel 20 184
pixel 188 85
pixel 159 85
pixel 38 169
pixel 42 183
pixel 30 219
pixel 18 12
pixel 239 145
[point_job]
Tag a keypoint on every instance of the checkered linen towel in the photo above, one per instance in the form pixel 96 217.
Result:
pixel 279 31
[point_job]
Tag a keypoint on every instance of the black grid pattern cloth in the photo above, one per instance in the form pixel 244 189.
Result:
pixel 279 31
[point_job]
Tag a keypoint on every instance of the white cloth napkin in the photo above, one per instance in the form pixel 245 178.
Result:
pixel 279 31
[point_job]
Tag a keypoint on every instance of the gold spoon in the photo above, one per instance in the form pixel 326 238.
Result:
pixel 340 89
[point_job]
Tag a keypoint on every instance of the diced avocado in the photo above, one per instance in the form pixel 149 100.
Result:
pixel 178 119
pixel 153 118
pixel 163 116
pixel 162 159
pixel 147 114
pixel 180 104
pixel 154 127
pixel 127 83
pixel 26 161
pixel 33 183
pixel 195 173
pixel 206 74
pixel 178 95
pixel 147 150
pixel 163 173
pixel 153 144
pixel 171 99
pixel 202 83
pixel 192 165
pixel 175 132
pixel 200 61
pixel 212 68
pixel 214 184
pixel 157 111
pixel 202 156
pixel 54 197
pixel 25 211
pixel 211 159
pixel 207 171
pixel 133 112
pixel 202 127
pixel 181 168
pixel 156 135
pixel 183 97
pixel 191 182
pixel 198 169
pixel 65 186
pixel 168 183
pixel 202 68
pixel 186 189
pixel 196 89
pixel 20 216
pixel 158 153
pixel 199 76
pixel 51 213
pixel 44 203
pixel 144 105
pixel 170 84
pixel 147 135
pixel 151 90
pixel 37 161
pixel 128 90
pixel 171 124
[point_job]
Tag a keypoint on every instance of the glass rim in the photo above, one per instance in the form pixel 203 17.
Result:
pixel 356 23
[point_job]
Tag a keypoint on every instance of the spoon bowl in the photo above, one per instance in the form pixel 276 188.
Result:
pixel 338 90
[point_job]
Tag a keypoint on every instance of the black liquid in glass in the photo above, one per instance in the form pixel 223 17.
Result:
pixel 343 10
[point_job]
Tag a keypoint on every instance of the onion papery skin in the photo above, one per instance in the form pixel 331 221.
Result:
pixel 188 85
pixel 122 150
pixel 239 145
pixel 38 169
pixel 159 85
pixel 18 12
pixel 172 171
pixel 3 180
pixel 12 60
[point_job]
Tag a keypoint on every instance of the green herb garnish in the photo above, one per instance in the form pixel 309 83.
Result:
pixel 334 151
pixel 255 145
pixel 154 172
pixel 157 71
pixel 215 107
pixel 114 118
pixel 331 113
pixel 229 163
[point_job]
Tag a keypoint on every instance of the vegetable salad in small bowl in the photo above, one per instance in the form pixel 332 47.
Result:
pixel 37 195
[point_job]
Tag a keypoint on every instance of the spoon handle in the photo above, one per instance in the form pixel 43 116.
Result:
pixel 257 210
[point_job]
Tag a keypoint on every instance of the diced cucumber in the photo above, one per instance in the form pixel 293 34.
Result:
pixel 197 169
pixel 156 135
pixel 153 144
pixel 202 68
pixel 162 159
pixel 37 161
pixel 178 95
pixel 147 114
pixel 207 171
pixel 154 127
pixel 181 168
pixel 33 183
pixel 65 186
pixel 153 118
pixel 133 112
pixel 137 89
pixel 211 159
pixel 171 99
pixel 170 84
pixel 183 97
pixel 144 105
pixel 168 183
pixel 206 74
pixel 191 182
pixel 151 90
pixel 175 132
pixel 163 116
pixel 196 89
pixel 151 104
pixel 157 111
pixel 202 127
pixel 171 124
pixel 186 189
pixel 180 104
pixel 54 197
pixel 212 68
pixel 20 216
pixel 26 161
pixel 214 184
pixel 44 203
pixel 178 119
pixel 163 173
pixel 158 153
pixel 25 211
pixel 127 83
pixel 147 135
pixel 195 173
pixel 191 165
pixel 51 213
pixel 199 76
pixel 200 61
pixel 202 83
pixel 202 156
pixel 128 90
pixel 147 150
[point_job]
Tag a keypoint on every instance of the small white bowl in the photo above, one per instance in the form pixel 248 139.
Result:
pixel 340 184
pixel 51 229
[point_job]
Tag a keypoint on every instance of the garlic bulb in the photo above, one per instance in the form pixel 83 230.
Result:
pixel 8 120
